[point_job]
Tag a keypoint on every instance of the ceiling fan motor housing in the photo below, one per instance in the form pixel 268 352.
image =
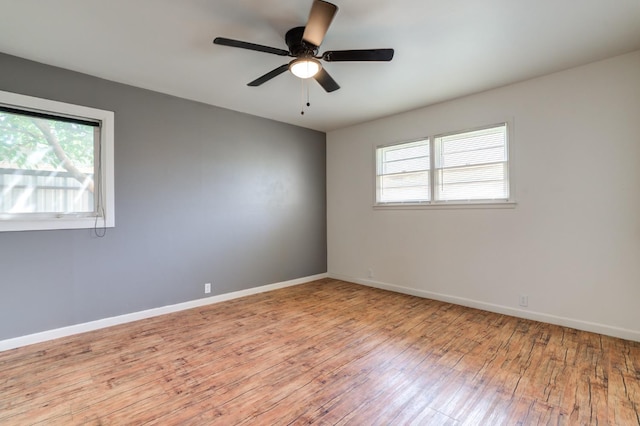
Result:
pixel 297 46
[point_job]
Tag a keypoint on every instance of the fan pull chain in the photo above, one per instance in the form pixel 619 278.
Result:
pixel 302 96
pixel 304 86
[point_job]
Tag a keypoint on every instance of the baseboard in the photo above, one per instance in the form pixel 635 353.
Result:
pixel 607 330
pixel 44 336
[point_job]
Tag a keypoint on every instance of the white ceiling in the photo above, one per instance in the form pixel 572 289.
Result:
pixel 443 48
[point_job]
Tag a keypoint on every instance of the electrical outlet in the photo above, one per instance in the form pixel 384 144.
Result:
pixel 207 288
pixel 524 300
pixel 369 273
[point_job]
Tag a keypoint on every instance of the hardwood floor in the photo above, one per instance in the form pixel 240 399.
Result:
pixel 326 352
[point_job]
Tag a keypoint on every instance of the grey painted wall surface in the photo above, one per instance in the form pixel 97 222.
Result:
pixel 202 194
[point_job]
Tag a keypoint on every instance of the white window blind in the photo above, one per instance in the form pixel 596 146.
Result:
pixel 472 165
pixel 403 173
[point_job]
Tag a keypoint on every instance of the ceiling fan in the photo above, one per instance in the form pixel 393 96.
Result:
pixel 303 43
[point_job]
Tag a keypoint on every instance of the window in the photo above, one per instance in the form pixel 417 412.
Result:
pixel 470 167
pixel 56 165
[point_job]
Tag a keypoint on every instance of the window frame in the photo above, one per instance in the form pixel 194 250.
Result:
pixel 103 176
pixel 432 203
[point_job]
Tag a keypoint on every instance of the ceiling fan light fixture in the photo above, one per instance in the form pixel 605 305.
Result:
pixel 304 67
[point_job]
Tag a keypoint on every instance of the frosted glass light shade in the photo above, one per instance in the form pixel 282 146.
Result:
pixel 304 67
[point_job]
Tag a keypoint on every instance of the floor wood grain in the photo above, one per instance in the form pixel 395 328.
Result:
pixel 326 352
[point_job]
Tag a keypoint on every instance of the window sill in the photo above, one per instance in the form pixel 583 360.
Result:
pixel 447 205
pixel 53 224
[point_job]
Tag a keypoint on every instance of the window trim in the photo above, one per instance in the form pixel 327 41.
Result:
pixel 449 204
pixel 105 169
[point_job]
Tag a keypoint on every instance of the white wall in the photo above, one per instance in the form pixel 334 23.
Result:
pixel 572 243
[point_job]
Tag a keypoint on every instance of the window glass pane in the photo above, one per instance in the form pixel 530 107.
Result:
pixel 490 172
pixel 46 165
pixel 472 165
pixel 469 141
pixel 473 191
pixel 481 156
pixel 409 150
pixel 473 183
pixel 409 165
pixel 406 187
pixel 476 147
pixel 403 172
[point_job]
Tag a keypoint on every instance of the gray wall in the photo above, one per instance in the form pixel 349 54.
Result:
pixel 202 194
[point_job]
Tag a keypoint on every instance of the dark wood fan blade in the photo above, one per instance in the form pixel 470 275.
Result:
pixel 268 76
pixel 250 46
pixel 320 18
pixel 325 80
pixel 358 55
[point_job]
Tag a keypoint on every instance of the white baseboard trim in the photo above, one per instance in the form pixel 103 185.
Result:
pixel 44 336
pixel 593 327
